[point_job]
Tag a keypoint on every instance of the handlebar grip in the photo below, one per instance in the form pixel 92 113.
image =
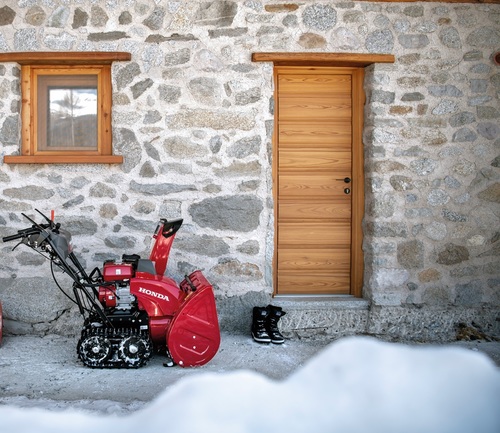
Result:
pixel 20 234
pixel 12 237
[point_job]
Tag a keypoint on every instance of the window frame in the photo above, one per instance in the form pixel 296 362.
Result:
pixel 38 64
pixel 32 116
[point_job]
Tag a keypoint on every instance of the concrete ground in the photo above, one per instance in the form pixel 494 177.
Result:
pixel 46 372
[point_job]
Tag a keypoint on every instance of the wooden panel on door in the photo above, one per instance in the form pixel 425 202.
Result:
pixel 314 160
pixel 301 108
pixel 315 209
pixel 315 283
pixel 313 260
pixel 313 84
pixel 314 234
pixel 311 186
pixel 332 134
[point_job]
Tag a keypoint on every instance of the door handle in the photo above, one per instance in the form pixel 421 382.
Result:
pixel 345 179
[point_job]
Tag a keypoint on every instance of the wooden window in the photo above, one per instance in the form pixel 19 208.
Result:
pixel 66 107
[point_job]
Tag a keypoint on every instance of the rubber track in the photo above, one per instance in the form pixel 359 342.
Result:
pixel 115 336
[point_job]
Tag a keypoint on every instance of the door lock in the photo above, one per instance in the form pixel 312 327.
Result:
pixel 346 179
pixel 347 190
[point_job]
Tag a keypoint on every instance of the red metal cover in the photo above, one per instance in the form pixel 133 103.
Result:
pixel 197 279
pixel 193 338
pixel 164 237
pixel 107 297
pixel 117 272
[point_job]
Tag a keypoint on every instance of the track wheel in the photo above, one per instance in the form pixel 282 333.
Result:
pixel 134 351
pixel 94 350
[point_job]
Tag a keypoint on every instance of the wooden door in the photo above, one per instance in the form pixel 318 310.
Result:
pixel 316 176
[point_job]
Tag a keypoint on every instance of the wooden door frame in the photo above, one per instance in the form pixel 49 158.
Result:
pixel 358 178
pixel 355 64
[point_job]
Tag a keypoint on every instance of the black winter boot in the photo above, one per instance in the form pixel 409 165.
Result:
pixel 259 332
pixel 275 313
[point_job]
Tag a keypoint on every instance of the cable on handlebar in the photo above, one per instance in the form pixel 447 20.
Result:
pixel 58 285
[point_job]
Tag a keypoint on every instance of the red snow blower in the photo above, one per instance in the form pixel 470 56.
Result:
pixel 130 308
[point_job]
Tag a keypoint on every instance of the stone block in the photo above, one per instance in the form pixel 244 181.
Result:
pixel 450 37
pixel 311 41
pixel 319 17
pixel 245 147
pixel 469 294
pixel 239 213
pixel 488 130
pixel 7 15
pixel 218 120
pixel 411 254
pixel 445 90
pixel 417 41
pixel 278 8
pixel 380 41
pixel 33 300
pixel 427 325
pixel 107 36
pixel 9 133
pixel 483 37
pixel 412 96
pixel 453 254
pixel 206 245
pixel 388 280
pixel 216 13
pixel 492 193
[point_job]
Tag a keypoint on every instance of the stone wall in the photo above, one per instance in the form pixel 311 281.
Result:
pixel 192 116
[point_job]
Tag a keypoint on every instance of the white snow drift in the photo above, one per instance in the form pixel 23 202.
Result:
pixel 356 384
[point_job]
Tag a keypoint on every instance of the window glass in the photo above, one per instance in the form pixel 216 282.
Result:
pixel 67 112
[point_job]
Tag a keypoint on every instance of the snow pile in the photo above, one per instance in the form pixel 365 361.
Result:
pixel 355 385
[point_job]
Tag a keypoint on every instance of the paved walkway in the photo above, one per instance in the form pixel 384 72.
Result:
pixel 46 372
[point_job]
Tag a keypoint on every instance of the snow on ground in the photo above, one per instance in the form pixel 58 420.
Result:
pixel 356 384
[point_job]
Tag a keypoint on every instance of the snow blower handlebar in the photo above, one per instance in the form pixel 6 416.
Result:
pixel 47 237
pixel 53 243
pixel 34 229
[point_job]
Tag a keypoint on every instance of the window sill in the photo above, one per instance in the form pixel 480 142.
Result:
pixel 63 159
